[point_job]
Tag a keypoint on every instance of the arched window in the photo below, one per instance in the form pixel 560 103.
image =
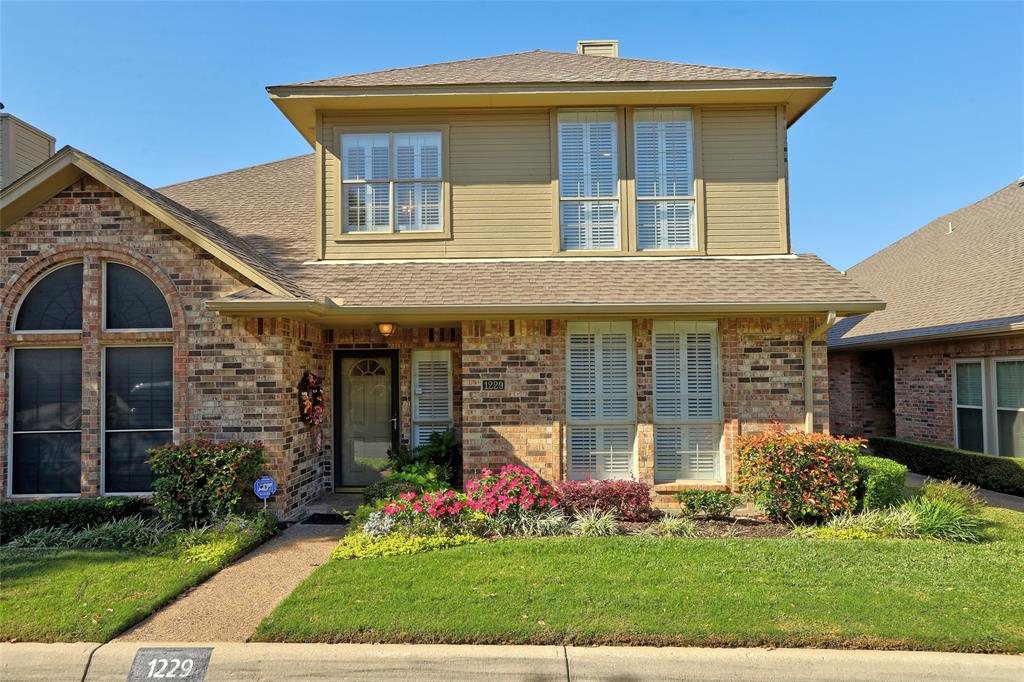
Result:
pixel 137 374
pixel 133 301
pixel 54 303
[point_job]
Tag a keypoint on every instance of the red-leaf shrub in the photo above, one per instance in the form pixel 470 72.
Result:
pixel 629 500
pixel 513 490
pixel 799 475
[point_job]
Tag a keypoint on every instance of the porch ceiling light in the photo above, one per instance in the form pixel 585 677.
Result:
pixel 386 329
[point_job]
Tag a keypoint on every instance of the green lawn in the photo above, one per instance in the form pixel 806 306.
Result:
pixel 75 595
pixel 628 590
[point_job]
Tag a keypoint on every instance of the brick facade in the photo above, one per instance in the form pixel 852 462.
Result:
pixel 920 377
pixel 232 378
pixel 236 378
pixel 862 393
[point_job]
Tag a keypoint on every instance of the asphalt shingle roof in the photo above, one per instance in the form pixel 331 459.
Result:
pixel 543 66
pixel 936 281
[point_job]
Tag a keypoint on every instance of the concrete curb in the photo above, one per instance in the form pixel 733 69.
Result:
pixel 32 662
pixel 258 661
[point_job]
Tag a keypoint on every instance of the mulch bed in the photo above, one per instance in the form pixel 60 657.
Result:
pixel 726 528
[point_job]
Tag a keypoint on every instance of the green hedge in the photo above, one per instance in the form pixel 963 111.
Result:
pixel 882 482
pixel 18 519
pixel 1002 474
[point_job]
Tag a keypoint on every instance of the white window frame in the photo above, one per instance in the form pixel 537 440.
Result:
pixel 9 487
pixel 103 302
pixel 418 422
pixel 684 422
pixel 103 414
pixel 24 296
pixel 346 229
pixel 616 200
pixel 690 198
pixel 984 401
pixel 599 423
pixel 994 362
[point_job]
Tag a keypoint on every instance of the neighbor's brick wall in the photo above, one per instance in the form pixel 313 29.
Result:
pixel 924 383
pixel 861 392
pixel 762 383
pixel 233 378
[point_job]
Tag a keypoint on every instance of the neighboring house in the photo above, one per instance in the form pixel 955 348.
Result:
pixel 579 262
pixel 22 148
pixel 944 362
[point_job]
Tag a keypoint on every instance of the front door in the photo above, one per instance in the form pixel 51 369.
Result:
pixel 366 417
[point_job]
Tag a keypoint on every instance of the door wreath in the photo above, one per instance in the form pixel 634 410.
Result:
pixel 311 403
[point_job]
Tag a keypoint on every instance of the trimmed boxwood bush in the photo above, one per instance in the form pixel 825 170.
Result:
pixel 797 475
pixel 199 481
pixel 18 519
pixel 882 482
pixel 1002 474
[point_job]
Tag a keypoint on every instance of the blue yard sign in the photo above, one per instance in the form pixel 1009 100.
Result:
pixel 264 487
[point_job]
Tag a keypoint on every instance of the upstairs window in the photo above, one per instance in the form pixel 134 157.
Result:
pixel 54 303
pixel 588 180
pixel 392 182
pixel 664 179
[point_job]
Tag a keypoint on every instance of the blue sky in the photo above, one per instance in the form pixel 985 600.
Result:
pixel 927 114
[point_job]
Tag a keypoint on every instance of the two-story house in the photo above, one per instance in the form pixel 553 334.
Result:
pixel 579 262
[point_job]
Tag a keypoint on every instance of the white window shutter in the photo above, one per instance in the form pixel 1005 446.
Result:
pixel 663 140
pixel 588 168
pixel 687 401
pixel 431 393
pixel 601 400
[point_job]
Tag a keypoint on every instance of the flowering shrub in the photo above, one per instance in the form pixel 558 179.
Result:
pixel 514 490
pixel 198 481
pixel 799 475
pixel 629 500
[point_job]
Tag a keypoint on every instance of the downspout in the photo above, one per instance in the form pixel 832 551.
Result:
pixel 808 369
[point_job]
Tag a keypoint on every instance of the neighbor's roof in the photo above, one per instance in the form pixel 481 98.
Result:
pixel 938 282
pixel 544 66
pixel 271 207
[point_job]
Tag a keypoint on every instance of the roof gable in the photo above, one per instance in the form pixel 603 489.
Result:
pixel 69 164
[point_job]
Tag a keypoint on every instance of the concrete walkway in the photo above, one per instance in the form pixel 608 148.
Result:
pixel 990 497
pixel 237 662
pixel 229 606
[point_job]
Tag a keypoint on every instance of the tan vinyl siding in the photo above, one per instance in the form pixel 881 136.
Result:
pixel 741 168
pixel 500 176
pixel 22 148
pixel 499 165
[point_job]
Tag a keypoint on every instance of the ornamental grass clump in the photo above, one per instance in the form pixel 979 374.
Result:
pixel 595 523
pixel 675 527
pixel 965 495
pixel 796 475
pixel 920 518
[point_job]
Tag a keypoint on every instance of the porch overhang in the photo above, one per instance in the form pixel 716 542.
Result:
pixel 335 312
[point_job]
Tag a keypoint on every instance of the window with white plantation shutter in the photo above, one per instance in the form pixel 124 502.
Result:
pixel 431 393
pixel 588 180
pixel 687 401
pixel 663 153
pixel 392 182
pixel 601 399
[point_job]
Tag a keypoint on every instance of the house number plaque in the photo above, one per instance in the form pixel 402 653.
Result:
pixel 153 663
pixel 494 384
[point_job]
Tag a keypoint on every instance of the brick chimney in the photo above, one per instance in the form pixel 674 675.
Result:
pixel 601 48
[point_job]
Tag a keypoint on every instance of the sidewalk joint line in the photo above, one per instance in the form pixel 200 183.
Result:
pixel 565 655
